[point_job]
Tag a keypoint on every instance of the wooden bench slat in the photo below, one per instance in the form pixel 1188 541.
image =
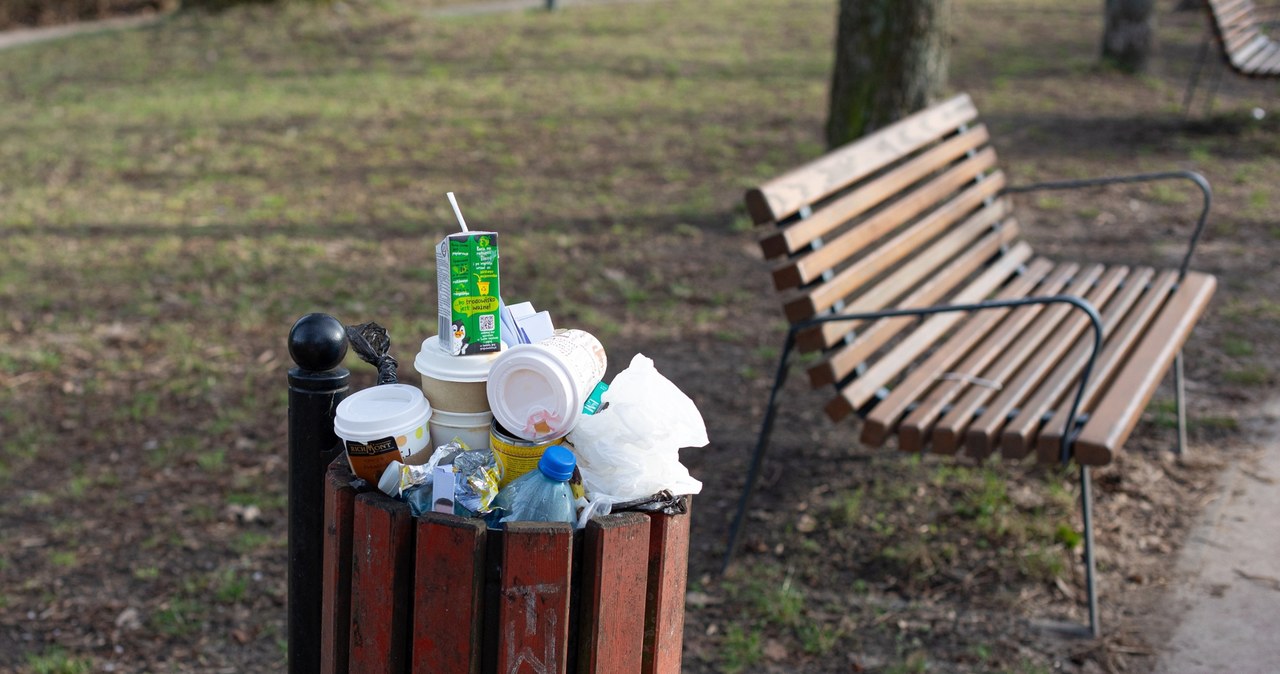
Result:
pixel 381 584
pixel 1016 435
pixel 918 423
pixel 826 295
pixel 841 362
pixel 860 391
pixel 883 417
pixel 1025 391
pixel 448 604
pixel 810 266
pixel 1118 344
pixel 783 196
pixel 664 598
pixel 335 616
pixel 920 269
pixel 795 237
pixel 1241 54
pixel 1037 347
pixel 1257 57
pixel 1119 410
pixel 1233 16
pixel 615 573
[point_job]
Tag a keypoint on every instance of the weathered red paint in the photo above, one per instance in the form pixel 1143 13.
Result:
pixel 381 585
pixel 454 597
pixel 448 594
pixel 664 610
pixel 335 612
pixel 533 598
pixel 615 571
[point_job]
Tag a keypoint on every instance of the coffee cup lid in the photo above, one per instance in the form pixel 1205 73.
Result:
pixel 380 411
pixel 528 385
pixel 433 361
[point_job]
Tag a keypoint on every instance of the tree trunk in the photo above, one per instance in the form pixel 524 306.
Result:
pixel 1129 34
pixel 891 60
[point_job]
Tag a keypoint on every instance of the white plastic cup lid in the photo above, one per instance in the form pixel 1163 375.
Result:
pixel 532 394
pixel 381 411
pixel 433 361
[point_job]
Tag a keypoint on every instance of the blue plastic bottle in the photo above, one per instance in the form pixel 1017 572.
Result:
pixel 541 495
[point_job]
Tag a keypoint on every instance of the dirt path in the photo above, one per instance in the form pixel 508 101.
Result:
pixel 1229 605
pixel 498 6
pixel 25 36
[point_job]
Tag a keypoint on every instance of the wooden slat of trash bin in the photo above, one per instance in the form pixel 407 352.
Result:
pixel 335 616
pixel 615 575
pixel 442 593
pixel 533 597
pixel 448 594
pixel 664 605
pixel 381 585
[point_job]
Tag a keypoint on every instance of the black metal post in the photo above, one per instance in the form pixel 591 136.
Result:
pixel 317 344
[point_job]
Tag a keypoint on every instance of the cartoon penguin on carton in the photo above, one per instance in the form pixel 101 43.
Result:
pixel 459 343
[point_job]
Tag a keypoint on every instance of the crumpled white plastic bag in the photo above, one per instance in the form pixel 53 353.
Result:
pixel 631 449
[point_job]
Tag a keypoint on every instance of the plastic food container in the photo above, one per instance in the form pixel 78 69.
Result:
pixel 536 391
pixel 382 424
pixel 469 427
pixel 453 383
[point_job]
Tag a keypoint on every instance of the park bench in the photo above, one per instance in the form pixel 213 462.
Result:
pixel 373 589
pixel 1237 28
pixel 901 264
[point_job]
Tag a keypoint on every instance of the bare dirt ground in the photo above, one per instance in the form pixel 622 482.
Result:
pixel 854 559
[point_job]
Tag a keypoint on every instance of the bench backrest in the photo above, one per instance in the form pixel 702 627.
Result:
pixel 907 216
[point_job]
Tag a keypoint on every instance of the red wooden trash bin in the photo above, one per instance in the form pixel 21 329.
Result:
pixel 443 594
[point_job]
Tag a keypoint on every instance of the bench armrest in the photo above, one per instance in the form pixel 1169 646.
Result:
pixel 1194 177
pixel 1077 302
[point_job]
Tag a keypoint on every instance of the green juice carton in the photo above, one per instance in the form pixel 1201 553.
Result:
pixel 467 282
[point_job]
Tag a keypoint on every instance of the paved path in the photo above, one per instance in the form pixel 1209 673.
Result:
pixel 1231 561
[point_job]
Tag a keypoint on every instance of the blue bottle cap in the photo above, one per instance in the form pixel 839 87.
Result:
pixel 557 462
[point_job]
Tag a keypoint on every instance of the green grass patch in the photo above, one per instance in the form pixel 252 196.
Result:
pixel 741 650
pixel 56 660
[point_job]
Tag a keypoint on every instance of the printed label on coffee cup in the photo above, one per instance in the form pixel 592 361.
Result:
pixel 369 459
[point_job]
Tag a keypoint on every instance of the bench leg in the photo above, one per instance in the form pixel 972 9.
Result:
pixel 1213 89
pixel 1180 400
pixel 1195 77
pixel 1086 507
pixel 762 443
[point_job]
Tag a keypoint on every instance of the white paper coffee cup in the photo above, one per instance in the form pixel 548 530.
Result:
pixel 453 383
pixel 382 424
pixel 536 391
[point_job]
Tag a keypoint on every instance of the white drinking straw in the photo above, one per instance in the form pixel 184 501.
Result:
pixel 457 211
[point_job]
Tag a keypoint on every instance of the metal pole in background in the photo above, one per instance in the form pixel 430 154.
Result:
pixel 317 344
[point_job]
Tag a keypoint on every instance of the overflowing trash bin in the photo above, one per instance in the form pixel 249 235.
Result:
pixel 515 512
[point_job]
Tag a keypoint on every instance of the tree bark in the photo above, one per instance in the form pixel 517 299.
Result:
pixel 1129 35
pixel 891 60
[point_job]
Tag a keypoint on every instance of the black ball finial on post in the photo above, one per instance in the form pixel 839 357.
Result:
pixel 318 345
pixel 318 342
